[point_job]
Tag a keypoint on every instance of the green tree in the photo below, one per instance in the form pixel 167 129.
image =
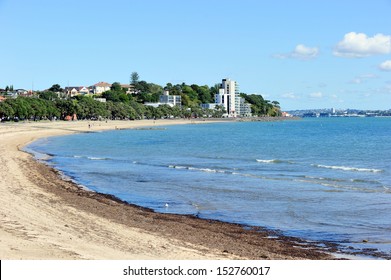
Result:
pixel 176 112
pixel 21 107
pixel 204 94
pixel 260 106
pixel 116 87
pixel 90 109
pixel 117 111
pixel 142 87
pixel 134 78
pixel 168 87
pixel 276 104
pixel 219 111
pixel 48 95
pixel 193 96
pixel 56 88
pixel 214 90
pixel 6 111
pixel 186 102
pixel 124 97
pixel 111 95
pixel 66 107
pixel 155 89
pixel 139 109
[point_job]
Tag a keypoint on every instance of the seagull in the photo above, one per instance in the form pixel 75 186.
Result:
pixel 166 205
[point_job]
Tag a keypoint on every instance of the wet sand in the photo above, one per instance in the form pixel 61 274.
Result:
pixel 43 216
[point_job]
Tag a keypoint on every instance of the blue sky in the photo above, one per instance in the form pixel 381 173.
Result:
pixel 304 54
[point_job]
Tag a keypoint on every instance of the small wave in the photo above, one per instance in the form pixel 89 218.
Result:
pixel 274 161
pixel 324 179
pixel 90 158
pixel 178 167
pixel 97 158
pixel 348 168
pixel 267 160
pixel 372 182
pixel 228 172
pixel 208 170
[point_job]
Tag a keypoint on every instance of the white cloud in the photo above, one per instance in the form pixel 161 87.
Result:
pixel 357 45
pixel 356 81
pixel 362 78
pixel 290 95
pixel 385 66
pixel 316 95
pixel 303 52
pixel 300 52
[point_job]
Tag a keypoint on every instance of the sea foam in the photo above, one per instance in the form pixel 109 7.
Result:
pixel 348 168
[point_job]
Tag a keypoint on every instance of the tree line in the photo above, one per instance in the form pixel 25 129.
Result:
pixel 86 107
pixel 53 104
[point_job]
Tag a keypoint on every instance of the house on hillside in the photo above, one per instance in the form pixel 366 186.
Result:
pixel 73 91
pixel 19 92
pixel 100 87
pixel 129 88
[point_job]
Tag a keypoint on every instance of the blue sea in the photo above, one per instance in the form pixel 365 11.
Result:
pixel 323 180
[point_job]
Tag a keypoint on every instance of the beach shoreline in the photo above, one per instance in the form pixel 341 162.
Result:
pixel 46 217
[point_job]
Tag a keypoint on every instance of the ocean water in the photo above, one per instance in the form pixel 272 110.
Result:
pixel 325 180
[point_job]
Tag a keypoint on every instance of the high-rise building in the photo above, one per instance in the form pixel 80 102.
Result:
pixel 228 96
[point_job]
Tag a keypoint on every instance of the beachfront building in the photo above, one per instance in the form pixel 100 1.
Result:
pixel 228 92
pixel 210 106
pixel 228 97
pixel 166 99
pixel 244 108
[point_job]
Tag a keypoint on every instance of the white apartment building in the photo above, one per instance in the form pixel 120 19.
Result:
pixel 166 98
pixel 228 93
pixel 244 108
pixel 229 98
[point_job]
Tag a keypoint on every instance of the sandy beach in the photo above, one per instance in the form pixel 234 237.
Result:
pixel 45 217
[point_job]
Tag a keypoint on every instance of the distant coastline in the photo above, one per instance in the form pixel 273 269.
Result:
pixel 339 113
